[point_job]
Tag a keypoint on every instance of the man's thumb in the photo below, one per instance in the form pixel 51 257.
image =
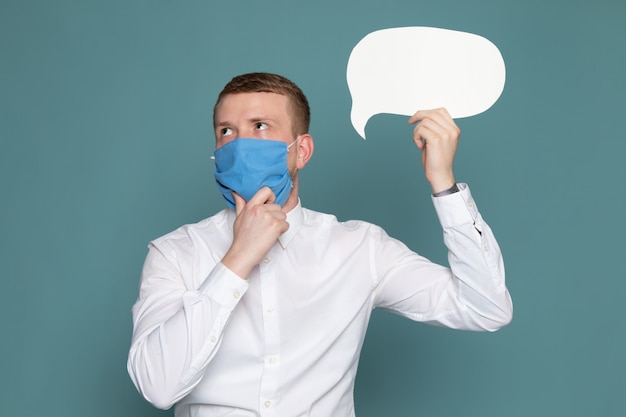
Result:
pixel 240 203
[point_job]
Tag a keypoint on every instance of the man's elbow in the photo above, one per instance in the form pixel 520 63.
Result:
pixel 158 394
pixel 160 402
pixel 502 315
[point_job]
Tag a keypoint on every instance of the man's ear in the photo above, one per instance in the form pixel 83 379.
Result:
pixel 305 150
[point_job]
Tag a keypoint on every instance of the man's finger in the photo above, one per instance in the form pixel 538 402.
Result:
pixel 264 196
pixel 240 203
pixel 440 116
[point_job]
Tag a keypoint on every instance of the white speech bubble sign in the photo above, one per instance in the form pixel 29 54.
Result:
pixel 402 70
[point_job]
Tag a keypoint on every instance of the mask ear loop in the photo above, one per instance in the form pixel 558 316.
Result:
pixel 296 169
pixel 293 143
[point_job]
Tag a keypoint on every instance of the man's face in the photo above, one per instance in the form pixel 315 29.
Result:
pixel 256 116
pixel 263 116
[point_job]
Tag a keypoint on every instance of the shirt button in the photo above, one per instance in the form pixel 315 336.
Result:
pixel 267 404
pixel 470 203
pixel 213 339
pixel 272 360
pixel 270 309
pixel 266 260
pixel 236 295
pixel 486 248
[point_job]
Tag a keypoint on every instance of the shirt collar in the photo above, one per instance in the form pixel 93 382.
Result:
pixel 294 218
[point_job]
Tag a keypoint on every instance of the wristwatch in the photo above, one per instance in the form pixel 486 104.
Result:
pixel 450 190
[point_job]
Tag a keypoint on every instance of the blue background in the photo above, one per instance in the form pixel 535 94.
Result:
pixel 105 138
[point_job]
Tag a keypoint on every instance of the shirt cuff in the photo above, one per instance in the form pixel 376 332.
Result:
pixel 224 286
pixel 457 208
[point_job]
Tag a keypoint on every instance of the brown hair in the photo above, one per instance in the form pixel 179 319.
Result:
pixel 258 82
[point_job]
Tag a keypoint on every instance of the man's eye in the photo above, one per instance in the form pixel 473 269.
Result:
pixel 261 126
pixel 226 131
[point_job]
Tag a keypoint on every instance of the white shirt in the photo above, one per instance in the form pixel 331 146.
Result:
pixel 286 342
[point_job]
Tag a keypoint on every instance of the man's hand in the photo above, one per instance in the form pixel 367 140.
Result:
pixel 437 136
pixel 258 226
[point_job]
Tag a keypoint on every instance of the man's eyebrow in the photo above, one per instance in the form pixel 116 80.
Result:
pixel 257 119
pixel 222 124
pixel 254 119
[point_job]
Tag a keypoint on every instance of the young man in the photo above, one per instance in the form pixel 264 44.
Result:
pixel 262 308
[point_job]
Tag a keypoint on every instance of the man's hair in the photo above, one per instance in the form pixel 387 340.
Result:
pixel 258 82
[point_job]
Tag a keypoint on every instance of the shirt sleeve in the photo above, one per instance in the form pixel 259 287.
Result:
pixel 470 294
pixel 177 330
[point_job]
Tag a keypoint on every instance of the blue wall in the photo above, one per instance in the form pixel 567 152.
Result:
pixel 105 138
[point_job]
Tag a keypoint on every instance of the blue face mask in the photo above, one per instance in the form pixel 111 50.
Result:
pixel 246 165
